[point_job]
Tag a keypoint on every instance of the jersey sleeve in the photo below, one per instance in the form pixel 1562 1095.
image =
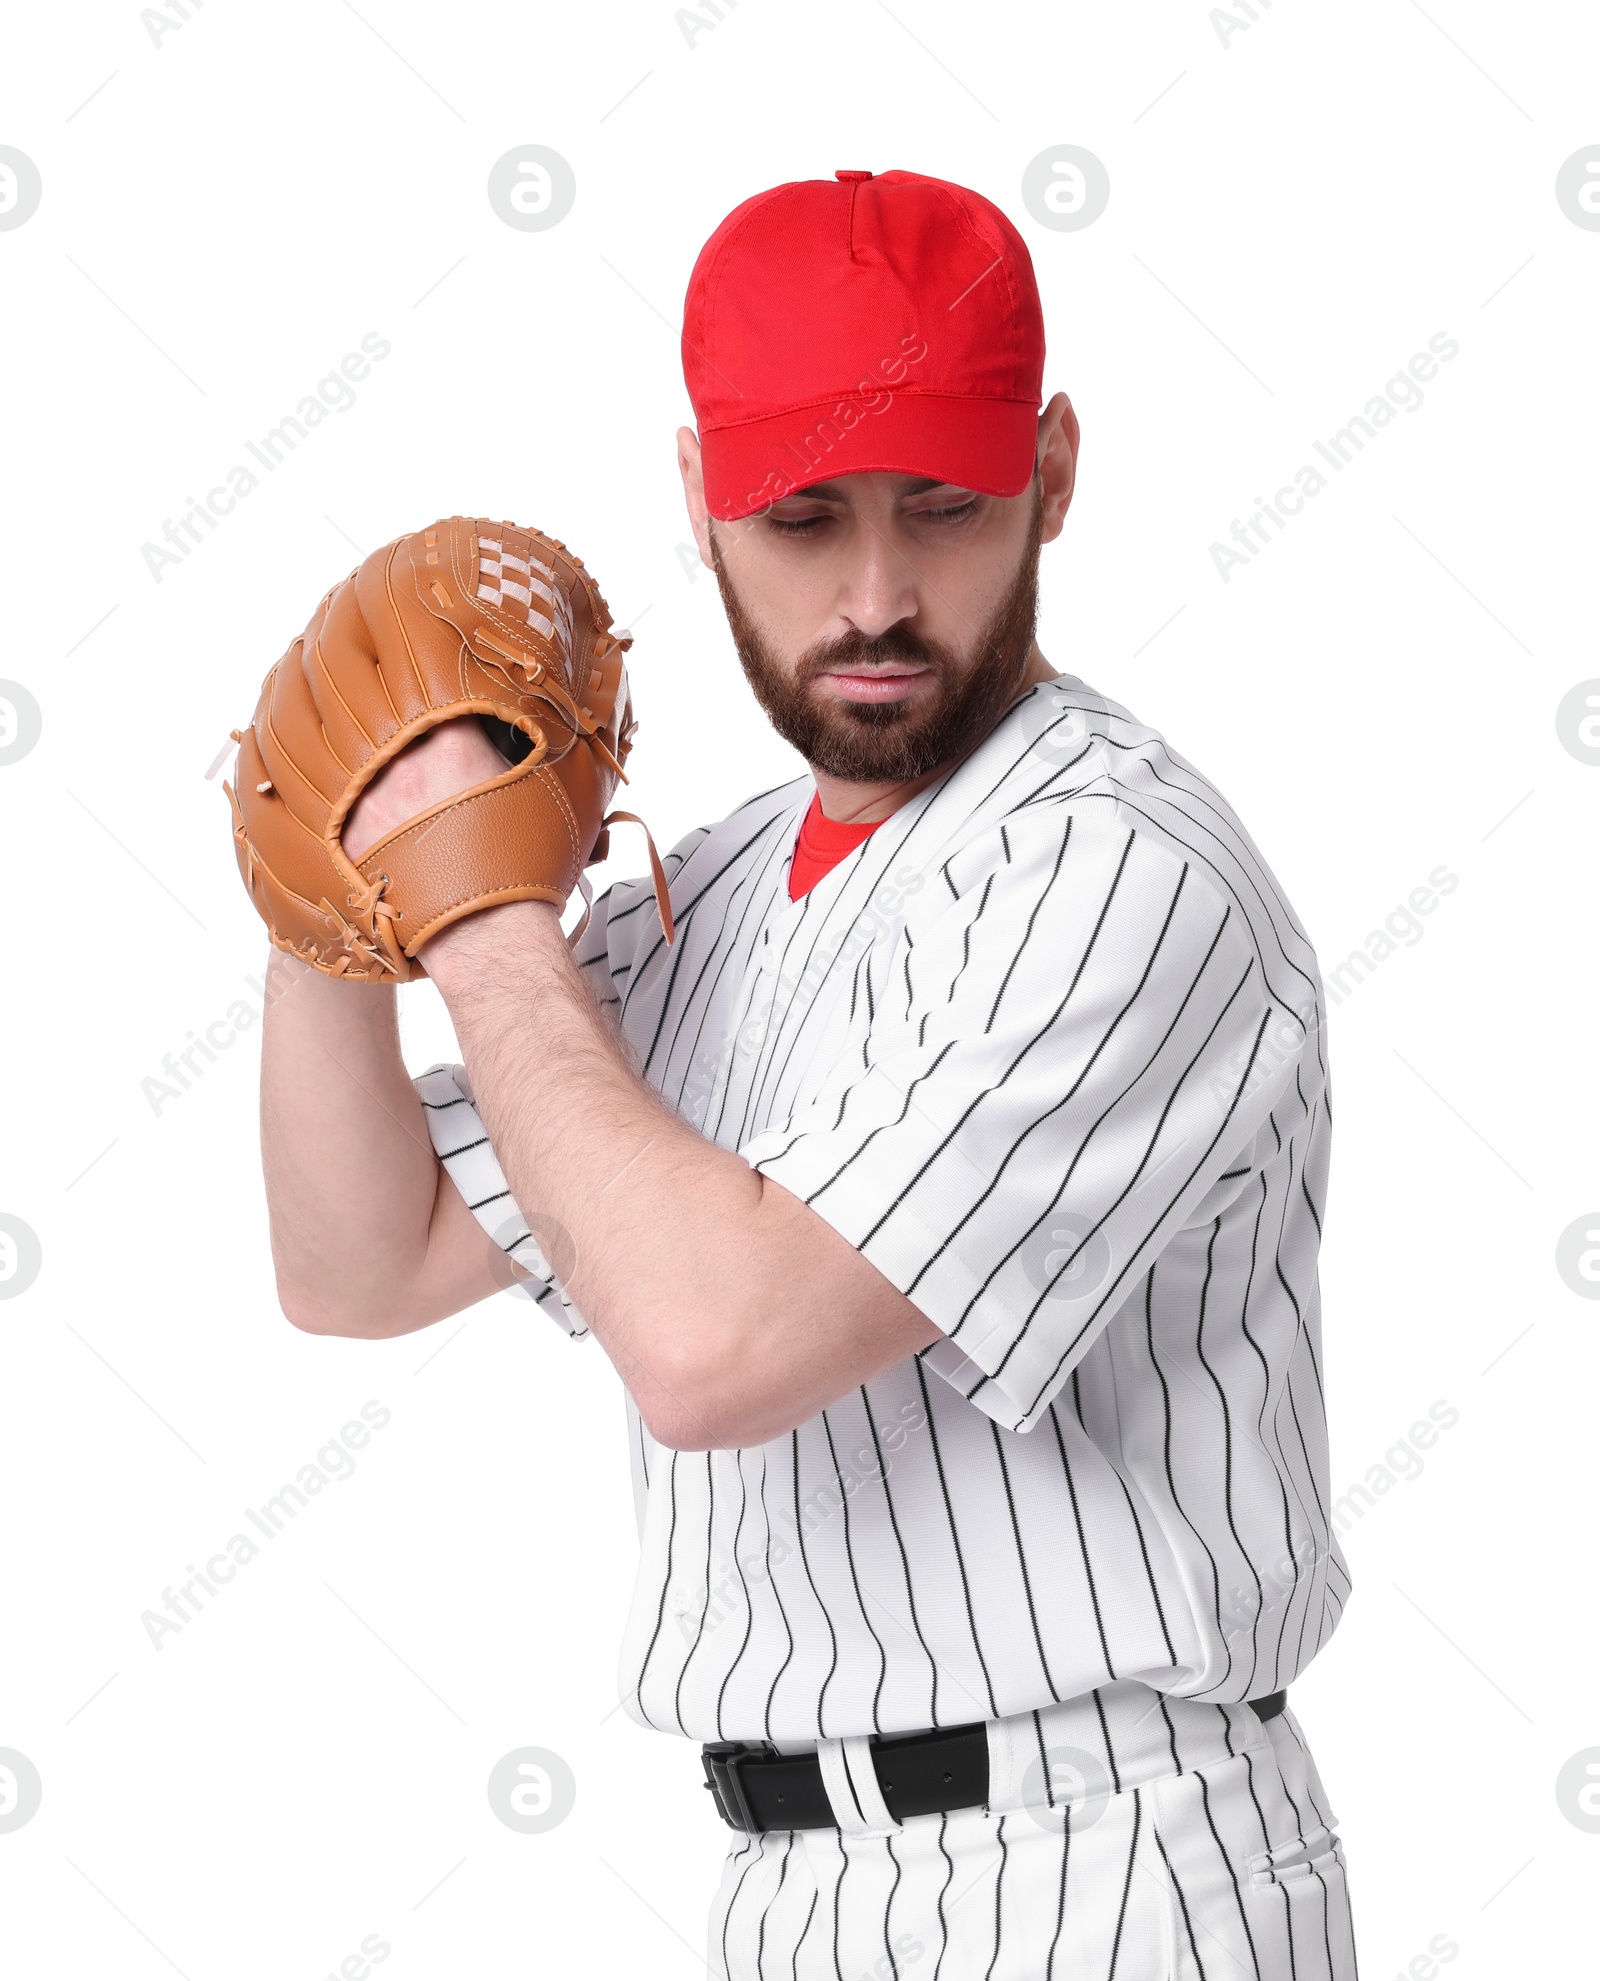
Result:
pixel 1061 1063
pixel 461 1143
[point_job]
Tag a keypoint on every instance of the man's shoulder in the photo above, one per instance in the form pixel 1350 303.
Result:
pixel 1155 789
pixel 1067 759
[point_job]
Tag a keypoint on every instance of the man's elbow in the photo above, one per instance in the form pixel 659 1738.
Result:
pixel 701 1424
pixel 699 1403
pixel 318 1312
pixel 313 1316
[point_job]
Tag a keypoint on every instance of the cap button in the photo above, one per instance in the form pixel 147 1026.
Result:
pixel 847 176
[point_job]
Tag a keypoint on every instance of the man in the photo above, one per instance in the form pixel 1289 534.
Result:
pixel 947 1192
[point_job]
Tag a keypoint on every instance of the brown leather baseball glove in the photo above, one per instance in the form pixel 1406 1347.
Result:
pixel 467 617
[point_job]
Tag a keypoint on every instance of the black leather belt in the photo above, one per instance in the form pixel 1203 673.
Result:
pixel 921 1774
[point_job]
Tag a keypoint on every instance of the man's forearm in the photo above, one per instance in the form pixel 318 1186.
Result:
pixel 730 1309
pixel 586 1143
pixel 351 1175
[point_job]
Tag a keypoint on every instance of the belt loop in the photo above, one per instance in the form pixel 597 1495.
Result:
pixel 1006 1776
pixel 854 1792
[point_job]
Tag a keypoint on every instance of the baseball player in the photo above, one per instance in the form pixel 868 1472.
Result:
pixel 937 1145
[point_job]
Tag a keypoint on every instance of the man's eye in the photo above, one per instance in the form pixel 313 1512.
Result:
pixel 798 526
pixel 956 513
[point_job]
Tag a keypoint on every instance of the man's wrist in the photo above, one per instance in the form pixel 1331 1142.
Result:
pixel 461 954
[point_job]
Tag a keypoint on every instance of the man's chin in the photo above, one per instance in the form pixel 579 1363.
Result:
pixel 872 742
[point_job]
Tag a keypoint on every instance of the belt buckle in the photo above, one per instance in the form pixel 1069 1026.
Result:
pixel 721 1759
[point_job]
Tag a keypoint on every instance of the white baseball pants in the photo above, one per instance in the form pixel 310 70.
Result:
pixel 1127 1837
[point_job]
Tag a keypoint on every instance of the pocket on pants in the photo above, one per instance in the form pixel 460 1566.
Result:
pixel 1306 1863
pixel 1299 1899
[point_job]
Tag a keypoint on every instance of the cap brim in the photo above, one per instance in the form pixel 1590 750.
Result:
pixel 987 445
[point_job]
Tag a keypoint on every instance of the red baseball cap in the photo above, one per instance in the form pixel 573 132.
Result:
pixel 872 321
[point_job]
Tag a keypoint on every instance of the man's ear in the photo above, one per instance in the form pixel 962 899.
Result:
pixel 1058 463
pixel 694 492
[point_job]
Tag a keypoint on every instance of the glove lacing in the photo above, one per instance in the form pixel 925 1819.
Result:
pixel 359 931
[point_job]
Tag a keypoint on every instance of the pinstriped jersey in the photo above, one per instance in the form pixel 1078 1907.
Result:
pixel 1048 1049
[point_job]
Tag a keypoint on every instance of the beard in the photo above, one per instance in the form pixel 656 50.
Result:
pixel 894 742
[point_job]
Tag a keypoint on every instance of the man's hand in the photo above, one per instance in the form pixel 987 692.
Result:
pixel 451 758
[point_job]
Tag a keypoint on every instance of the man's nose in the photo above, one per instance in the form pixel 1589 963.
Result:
pixel 880 591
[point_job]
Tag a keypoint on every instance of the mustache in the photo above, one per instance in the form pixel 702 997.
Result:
pixel 858 651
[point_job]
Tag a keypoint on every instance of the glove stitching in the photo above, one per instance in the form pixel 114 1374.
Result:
pixel 359 726
pixel 492 897
pixel 515 881
pixel 563 808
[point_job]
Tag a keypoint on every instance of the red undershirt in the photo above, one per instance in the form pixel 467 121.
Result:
pixel 822 844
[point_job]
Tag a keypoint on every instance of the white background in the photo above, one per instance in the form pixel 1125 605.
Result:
pixel 1295 210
